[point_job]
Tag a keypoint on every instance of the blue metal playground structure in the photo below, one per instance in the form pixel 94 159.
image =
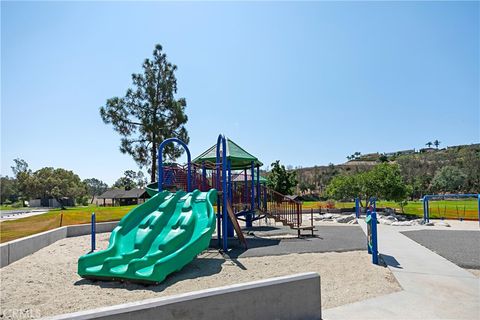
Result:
pixel 428 197
pixel 243 196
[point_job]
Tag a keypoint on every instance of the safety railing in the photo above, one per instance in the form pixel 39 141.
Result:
pixel 280 207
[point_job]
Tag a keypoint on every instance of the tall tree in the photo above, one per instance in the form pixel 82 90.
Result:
pixel 149 113
pixel 448 179
pixel 95 187
pixel 8 189
pixel 56 183
pixel 130 180
pixel 436 143
pixel 384 181
pixel 429 144
pixel 22 179
pixel 281 180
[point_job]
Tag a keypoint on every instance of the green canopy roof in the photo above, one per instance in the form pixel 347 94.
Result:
pixel 240 158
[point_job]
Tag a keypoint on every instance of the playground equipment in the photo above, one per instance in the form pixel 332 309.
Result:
pixel 371 220
pixel 155 239
pixel 165 233
pixel 427 198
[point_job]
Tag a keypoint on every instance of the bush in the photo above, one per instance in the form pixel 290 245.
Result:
pixel 18 204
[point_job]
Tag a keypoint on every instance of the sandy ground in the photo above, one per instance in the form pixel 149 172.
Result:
pixel 46 283
pixel 476 272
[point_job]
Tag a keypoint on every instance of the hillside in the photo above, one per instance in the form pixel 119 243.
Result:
pixel 418 167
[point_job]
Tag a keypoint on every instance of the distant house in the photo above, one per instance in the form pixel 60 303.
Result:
pixel 294 197
pixel 120 197
pixel 398 153
pixel 427 150
pixel 51 202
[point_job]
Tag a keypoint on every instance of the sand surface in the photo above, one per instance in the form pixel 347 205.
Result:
pixel 476 272
pixel 46 283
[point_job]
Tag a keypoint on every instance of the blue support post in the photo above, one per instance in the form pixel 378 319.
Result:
pixel 258 186
pixel 160 163
pixel 204 176
pixel 221 140
pixel 424 214
pixel 252 199
pixel 245 189
pixel 217 185
pixel 230 196
pixel 374 233
pixel 93 232
pixel 248 216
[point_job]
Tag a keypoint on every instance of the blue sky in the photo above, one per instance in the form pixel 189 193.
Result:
pixel 306 83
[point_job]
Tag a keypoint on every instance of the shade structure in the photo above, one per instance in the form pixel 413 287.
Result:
pixel 240 159
pixel 240 178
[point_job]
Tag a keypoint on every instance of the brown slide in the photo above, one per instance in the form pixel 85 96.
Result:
pixel 236 226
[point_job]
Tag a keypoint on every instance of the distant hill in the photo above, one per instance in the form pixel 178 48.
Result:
pixel 415 164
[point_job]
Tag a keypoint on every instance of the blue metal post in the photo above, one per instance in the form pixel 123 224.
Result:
pixel 258 186
pixel 230 196
pixel 204 176
pixel 424 215
pixel 221 139
pixel 93 232
pixel 217 185
pixel 160 163
pixel 248 215
pixel 478 209
pixel 252 199
pixel 374 234
pixel 245 189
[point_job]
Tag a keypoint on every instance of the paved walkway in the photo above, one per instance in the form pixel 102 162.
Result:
pixel 433 287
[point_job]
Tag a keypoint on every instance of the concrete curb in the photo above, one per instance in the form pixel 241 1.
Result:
pixel 289 297
pixel 17 249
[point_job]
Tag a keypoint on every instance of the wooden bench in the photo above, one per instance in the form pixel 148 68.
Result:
pixel 311 227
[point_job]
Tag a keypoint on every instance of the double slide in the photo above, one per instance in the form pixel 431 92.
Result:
pixel 155 239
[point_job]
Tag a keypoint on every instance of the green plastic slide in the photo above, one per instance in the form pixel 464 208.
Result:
pixel 155 239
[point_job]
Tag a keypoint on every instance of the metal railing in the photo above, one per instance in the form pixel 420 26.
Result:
pixel 280 207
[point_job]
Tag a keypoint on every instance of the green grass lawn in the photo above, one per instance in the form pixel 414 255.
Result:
pixel 448 209
pixel 14 229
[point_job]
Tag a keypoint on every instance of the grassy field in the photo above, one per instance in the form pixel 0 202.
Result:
pixel 14 229
pixel 448 209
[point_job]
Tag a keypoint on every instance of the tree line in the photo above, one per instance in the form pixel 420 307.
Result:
pixel 59 184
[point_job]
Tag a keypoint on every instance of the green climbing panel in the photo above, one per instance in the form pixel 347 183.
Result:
pixel 155 239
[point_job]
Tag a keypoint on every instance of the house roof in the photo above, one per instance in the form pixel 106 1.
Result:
pixel 294 197
pixel 241 178
pixel 239 158
pixel 122 194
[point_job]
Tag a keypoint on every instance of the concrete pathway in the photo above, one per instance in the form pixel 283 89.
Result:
pixel 21 213
pixel 433 287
